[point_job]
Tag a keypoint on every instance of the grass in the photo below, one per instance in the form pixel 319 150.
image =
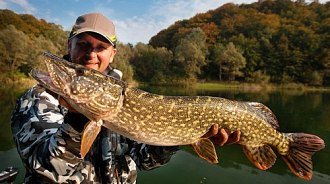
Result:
pixel 20 84
pixel 214 86
pixel 16 81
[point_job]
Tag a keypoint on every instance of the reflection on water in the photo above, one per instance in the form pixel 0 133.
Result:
pixel 187 168
pixel 11 158
pixel 296 111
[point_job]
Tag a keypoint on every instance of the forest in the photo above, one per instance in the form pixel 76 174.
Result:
pixel 276 42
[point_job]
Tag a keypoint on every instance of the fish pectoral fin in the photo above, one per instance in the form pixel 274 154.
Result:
pixel 90 133
pixel 206 150
pixel 263 157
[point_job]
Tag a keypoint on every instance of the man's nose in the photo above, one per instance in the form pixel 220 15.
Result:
pixel 91 52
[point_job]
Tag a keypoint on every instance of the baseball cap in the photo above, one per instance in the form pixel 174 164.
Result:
pixel 97 23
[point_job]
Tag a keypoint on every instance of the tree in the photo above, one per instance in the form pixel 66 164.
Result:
pixel 20 52
pixel 15 48
pixel 251 51
pixel 189 55
pixel 325 65
pixel 122 61
pixel 152 65
pixel 34 57
pixel 231 62
pixel 216 57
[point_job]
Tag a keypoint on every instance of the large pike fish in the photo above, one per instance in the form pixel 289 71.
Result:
pixel 175 120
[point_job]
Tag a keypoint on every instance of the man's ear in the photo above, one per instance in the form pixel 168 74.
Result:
pixel 114 51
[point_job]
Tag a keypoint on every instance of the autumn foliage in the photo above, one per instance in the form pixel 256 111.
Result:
pixel 276 41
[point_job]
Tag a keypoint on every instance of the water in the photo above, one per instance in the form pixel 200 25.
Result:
pixel 296 111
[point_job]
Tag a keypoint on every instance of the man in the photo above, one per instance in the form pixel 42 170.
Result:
pixel 48 131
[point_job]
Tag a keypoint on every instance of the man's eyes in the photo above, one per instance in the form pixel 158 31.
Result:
pixel 82 44
pixel 101 47
pixel 85 45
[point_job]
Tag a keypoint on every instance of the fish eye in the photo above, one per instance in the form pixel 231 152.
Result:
pixel 80 71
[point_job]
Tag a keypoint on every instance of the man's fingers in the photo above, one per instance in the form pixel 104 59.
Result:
pixel 212 132
pixel 222 137
pixel 234 137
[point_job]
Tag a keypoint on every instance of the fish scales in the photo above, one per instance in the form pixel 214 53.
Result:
pixel 175 120
pixel 182 120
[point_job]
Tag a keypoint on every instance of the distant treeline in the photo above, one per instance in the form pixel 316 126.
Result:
pixel 23 38
pixel 272 41
pixel 266 42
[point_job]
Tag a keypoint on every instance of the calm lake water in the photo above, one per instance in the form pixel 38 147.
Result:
pixel 296 111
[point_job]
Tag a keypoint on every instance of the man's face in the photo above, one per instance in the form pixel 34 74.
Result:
pixel 91 50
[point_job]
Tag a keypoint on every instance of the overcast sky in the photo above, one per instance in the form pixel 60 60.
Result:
pixel 135 20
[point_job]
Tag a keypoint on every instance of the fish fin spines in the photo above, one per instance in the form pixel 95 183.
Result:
pixel 263 157
pixel 267 113
pixel 206 150
pixel 301 149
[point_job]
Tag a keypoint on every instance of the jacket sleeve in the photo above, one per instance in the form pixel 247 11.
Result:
pixel 47 144
pixel 148 157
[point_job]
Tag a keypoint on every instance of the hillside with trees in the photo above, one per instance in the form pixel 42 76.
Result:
pixel 23 38
pixel 276 41
pixel 270 41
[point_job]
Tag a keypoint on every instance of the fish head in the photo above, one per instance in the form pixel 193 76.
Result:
pixel 89 91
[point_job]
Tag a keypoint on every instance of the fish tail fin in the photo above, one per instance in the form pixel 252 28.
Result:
pixel 301 149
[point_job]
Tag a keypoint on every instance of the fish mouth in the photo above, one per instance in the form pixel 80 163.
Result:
pixel 55 76
pixel 44 79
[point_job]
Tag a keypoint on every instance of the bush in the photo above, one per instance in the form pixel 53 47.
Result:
pixel 258 77
pixel 315 79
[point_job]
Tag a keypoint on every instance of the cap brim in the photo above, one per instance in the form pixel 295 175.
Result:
pixel 90 30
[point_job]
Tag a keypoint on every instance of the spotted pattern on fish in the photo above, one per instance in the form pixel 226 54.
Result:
pixel 179 120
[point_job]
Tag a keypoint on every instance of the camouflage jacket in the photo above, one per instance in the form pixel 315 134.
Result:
pixel 49 145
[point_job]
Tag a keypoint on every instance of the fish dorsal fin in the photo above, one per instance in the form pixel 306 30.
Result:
pixel 263 157
pixel 206 150
pixel 266 112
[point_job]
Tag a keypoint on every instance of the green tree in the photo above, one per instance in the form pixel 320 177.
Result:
pixel 216 55
pixel 122 61
pixel 15 48
pixel 152 65
pixel 251 51
pixel 231 62
pixel 189 55
pixel 324 63
pixel 34 58
pixel 20 52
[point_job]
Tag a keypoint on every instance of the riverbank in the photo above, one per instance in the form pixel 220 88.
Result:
pixel 22 83
pixel 253 87
pixel 18 82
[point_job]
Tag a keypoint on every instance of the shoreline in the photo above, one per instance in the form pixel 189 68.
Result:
pixel 26 82
pixel 254 87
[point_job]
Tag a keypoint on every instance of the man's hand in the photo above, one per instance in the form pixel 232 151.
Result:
pixel 222 136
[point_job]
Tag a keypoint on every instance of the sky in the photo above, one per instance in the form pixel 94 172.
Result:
pixel 135 20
